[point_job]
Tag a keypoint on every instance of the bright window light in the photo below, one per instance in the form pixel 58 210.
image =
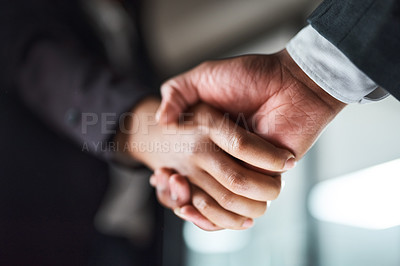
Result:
pixel 369 198
pixel 225 241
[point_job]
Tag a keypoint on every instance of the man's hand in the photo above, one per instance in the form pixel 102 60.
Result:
pixel 209 150
pixel 277 100
pixel 269 94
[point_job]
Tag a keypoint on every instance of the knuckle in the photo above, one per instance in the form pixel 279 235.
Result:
pixel 219 166
pixel 237 182
pixel 168 90
pixel 199 148
pixel 236 142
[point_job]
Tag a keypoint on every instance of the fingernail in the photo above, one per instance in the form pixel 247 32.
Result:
pixel 153 181
pixel 172 188
pixel 178 213
pixel 290 163
pixel 248 223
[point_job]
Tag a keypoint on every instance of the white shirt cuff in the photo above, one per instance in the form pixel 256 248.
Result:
pixel 327 66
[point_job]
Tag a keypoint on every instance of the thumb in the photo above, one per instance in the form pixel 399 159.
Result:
pixel 178 94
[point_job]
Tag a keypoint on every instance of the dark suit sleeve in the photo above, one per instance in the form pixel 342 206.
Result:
pixel 61 79
pixel 368 33
pixel 75 95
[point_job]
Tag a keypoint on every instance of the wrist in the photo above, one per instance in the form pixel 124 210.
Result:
pixel 298 109
pixel 288 64
pixel 137 129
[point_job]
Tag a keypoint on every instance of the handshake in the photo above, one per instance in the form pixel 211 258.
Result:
pixel 227 172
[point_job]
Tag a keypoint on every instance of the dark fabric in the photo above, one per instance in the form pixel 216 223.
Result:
pixel 49 192
pixel 74 94
pixel 368 33
pixel 52 70
pixel 57 65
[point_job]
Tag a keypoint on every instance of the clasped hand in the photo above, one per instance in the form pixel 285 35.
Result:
pixel 222 161
pixel 284 106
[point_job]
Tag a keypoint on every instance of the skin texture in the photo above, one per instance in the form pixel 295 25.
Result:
pixel 275 98
pixel 207 148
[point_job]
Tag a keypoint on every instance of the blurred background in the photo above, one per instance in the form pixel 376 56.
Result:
pixel 339 205
pixel 181 34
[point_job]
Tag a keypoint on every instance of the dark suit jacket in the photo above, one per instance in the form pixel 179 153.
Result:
pixel 53 69
pixel 368 33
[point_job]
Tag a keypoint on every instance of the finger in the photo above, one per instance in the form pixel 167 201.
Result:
pixel 162 189
pixel 158 178
pixel 169 109
pixel 164 178
pixel 179 189
pixel 153 180
pixel 249 147
pixel 239 179
pixel 179 195
pixel 177 95
pixel 227 199
pixel 189 213
pixel 210 209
